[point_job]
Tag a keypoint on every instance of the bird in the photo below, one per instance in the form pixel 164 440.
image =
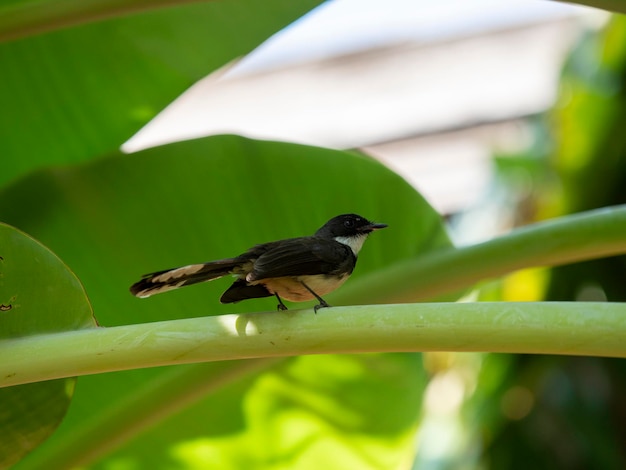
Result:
pixel 293 269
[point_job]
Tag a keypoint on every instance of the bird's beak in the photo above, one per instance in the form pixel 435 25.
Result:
pixel 372 226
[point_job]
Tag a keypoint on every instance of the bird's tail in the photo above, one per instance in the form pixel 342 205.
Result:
pixel 170 279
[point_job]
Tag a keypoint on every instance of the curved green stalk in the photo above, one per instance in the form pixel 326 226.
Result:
pixel 575 328
pixel 593 329
pixel 578 237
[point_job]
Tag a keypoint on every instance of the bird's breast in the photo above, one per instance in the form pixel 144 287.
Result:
pixel 291 288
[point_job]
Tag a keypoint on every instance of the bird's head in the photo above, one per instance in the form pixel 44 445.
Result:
pixel 349 229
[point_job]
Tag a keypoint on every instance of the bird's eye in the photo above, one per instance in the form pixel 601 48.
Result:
pixel 348 223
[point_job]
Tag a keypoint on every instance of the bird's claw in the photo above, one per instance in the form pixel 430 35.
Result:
pixel 322 304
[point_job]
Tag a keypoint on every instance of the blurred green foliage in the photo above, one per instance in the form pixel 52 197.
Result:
pixel 573 414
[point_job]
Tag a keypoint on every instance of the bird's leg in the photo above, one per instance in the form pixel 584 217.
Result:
pixel 281 305
pixel 322 303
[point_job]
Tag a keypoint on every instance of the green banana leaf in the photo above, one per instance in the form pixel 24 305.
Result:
pixel 38 295
pixel 73 94
pixel 116 218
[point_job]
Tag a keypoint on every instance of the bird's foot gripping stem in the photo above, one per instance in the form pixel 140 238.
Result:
pixel 322 302
pixel 281 305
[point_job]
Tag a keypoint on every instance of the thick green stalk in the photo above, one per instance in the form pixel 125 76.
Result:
pixel 536 328
pixel 578 237
pixel 593 329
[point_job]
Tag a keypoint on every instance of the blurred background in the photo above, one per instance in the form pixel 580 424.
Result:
pixel 501 113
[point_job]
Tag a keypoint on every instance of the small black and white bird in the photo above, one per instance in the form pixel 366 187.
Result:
pixel 295 269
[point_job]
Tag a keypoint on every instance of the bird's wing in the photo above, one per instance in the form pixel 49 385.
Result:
pixel 301 256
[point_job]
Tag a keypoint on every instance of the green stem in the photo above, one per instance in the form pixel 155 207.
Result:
pixel 579 237
pixel 593 329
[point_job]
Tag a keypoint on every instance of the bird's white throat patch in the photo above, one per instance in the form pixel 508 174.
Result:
pixel 355 242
